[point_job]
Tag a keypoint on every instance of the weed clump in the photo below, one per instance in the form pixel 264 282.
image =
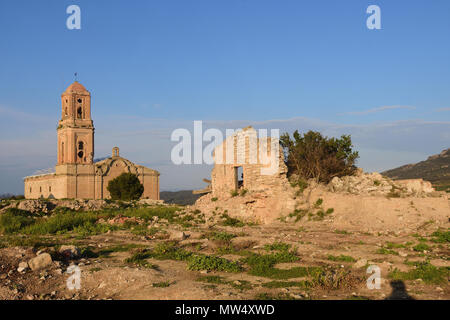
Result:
pixel 425 271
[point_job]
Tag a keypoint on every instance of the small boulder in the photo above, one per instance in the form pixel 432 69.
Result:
pixel 22 266
pixel 69 252
pixel 178 235
pixel 41 261
pixel 360 263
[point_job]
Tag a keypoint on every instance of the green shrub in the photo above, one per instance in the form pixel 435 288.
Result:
pixel 441 236
pixel 231 222
pixel 318 203
pixel 277 246
pixel 221 236
pixel 425 271
pixel 13 220
pixel 234 193
pixel 60 223
pixel 421 247
pixel 211 263
pixel 169 251
pixel 140 259
pixel 314 156
pixel 125 187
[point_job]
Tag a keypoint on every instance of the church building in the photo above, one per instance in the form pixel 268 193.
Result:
pixel 77 175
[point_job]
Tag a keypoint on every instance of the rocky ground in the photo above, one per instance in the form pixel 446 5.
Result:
pixel 159 252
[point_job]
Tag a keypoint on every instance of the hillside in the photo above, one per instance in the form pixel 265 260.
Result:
pixel 435 169
pixel 184 197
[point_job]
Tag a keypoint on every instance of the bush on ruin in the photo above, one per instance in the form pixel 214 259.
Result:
pixel 125 187
pixel 312 155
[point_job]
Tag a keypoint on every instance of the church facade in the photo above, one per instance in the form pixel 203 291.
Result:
pixel 76 174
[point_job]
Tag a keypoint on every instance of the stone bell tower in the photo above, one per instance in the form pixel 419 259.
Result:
pixel 76 128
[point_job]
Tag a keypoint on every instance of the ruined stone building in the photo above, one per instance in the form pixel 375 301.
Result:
pixel 249 178
pixel 76 174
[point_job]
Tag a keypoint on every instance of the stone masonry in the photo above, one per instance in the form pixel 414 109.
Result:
pixel 76 174
pixel 248 180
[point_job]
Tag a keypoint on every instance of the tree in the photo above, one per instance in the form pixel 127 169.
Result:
pixel 125 187
pixel 314 156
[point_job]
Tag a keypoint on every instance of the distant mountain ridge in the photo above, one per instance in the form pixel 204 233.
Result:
pixel 435 169
pixel 185 197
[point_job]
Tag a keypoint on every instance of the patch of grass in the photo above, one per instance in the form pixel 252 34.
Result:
pixel 277 246
pixel 213 279
pixel 441 236
pixel 231 222
pixel 105 252
pixel 140 259
pixel 90 229
pixel 263 266
pixel 386 251
pixel 298 214
pixel 239 284
pixel 301 183
pixel 214 199
pixel 287 284
pixel 341 257
pixel 234 193
pixel 163 284
pixel 221 236
pixel 62 223
pixel 210 263
pixel 33 241
pixel 391 245
pixel 13 220
pixel 243 192
pixel 169 251
pixel 425 271
pixel 421 247
pixel 342 232
pixel 318 203
pixel 144 230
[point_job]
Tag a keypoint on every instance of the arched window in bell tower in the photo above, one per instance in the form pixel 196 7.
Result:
pixel 79 113
pixel 80 109
pixel 62 152
pixel 80 150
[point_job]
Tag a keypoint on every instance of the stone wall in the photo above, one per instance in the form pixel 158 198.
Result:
pixel 89 181
pixel 265 193
pixel 45 186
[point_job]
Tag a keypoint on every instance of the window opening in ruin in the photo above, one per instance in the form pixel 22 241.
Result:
pixel 79 113
pixel 239 177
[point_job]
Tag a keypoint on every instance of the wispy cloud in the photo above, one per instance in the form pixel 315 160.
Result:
pixel 443 109
pixel 379 109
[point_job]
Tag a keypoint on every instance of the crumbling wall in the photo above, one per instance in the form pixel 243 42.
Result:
pixel 265 193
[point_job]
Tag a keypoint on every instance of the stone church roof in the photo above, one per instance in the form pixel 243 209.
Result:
pixel 75 87
pixel 104 166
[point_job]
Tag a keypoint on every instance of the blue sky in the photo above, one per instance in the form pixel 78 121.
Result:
pixel 152 66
